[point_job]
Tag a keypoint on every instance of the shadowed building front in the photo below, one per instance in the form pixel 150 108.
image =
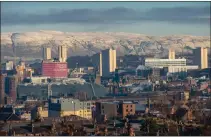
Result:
pixel 200 57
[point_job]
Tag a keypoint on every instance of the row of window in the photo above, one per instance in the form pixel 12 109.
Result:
pixel 85 111
pixel 88 104
pixel 88 115
pixel 85 108
pixel 129 111
pixel 117 106
pixel 130 106
pixel 165 63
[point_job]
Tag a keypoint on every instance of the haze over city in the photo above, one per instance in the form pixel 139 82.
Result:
pixel 151 18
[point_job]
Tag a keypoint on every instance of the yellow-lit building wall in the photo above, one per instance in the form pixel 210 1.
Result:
pixel 171 54
pixel 186 95
pixel 204 58
pixel 114 60
pixel 44 113
pixel 85 113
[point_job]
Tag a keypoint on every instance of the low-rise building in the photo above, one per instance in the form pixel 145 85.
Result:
pixel 8 65
pixel 85 69
pixel 203 85
pixel 59 107
pixel 114 109
pixel 38 110
pixel 25 116
pixel 126 108
pixel 107 108
pixel 39 80
pixel 176 69
pixel 160 63
pixel 186 95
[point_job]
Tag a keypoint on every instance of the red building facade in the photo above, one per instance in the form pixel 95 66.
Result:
pixel 2 88
pixel 54 69
pixel 13 82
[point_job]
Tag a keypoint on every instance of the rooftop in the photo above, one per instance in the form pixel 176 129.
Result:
pixel 127 102
pixel 158 59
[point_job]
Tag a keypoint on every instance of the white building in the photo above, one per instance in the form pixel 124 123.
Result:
pixel 39 80
pixel 175 69
pixel 171 54
pixel 160 63
pixel 8 65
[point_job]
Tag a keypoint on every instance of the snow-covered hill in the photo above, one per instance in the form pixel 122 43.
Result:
pixel 30 44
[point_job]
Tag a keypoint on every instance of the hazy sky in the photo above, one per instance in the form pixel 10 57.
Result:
pixel 153 18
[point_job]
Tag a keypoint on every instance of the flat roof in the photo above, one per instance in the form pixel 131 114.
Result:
pixel 106 102
pixel 157 59
pixel 127 102
pixel 52 61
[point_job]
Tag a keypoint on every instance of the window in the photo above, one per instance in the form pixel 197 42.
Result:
pixel 88 104
pixel 131 105
pixel 126 110
pixel 103 111
pixel 88 110
pixel 131 110
pixel 102 107
pixel 127 106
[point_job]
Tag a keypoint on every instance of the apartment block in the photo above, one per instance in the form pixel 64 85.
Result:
pixel 46 53
pixel 200 57
pixel 108 61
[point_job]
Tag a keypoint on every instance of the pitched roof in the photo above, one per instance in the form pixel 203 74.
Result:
pixel 8 117
pixel 4 116
pixel 6 110
pixel 181 112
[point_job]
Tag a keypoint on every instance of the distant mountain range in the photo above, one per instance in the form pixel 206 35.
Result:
pixel 29 45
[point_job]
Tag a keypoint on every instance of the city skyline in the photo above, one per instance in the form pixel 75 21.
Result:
pixel 105 69
pixel 152 18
